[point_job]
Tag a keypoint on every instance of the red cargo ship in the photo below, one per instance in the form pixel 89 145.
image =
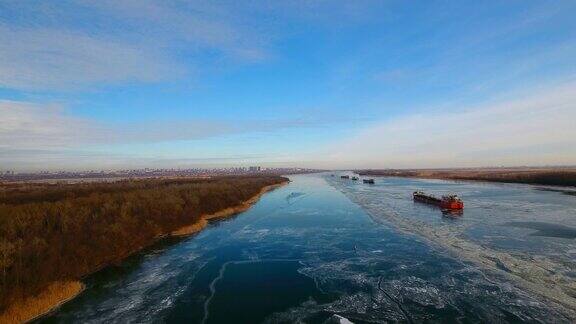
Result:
pixel 446 202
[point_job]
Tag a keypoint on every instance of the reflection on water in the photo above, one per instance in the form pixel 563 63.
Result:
pixel 453 213
pixel 305 252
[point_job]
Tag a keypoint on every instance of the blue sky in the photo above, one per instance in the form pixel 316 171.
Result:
pixel 329 84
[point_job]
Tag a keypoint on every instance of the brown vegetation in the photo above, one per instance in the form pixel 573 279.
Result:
pixel 541 176
pixel 223 213
pixel 59 233
pixel 54 295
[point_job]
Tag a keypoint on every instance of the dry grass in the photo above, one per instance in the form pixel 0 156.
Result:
pixel 191 229
pixel 56 294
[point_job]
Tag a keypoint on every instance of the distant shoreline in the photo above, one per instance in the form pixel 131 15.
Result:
pixel 565 177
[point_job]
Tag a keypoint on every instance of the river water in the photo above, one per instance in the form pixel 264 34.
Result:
pixel 323 245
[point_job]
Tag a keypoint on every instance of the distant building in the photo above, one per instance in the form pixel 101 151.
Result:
pixel 254 169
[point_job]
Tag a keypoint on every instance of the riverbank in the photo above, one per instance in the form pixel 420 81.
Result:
pixel 539 176
pixel 49 299
pixel 227 212
pixel 78 220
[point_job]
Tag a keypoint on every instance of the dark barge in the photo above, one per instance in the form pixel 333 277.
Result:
pixel 446 202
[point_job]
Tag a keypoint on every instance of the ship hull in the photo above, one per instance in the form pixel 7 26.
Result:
pixel 444 204
pixel 452 205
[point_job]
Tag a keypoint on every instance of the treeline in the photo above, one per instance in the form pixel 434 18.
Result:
pixel 62 232
pixel 549 177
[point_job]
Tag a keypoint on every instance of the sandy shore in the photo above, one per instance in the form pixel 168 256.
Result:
pixel 58 293
pixel 54 296
pixel 198 226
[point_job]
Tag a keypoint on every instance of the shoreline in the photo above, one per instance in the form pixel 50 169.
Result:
pixel 45 302
pixel 559 178
pixel 57 294
pixel 224 213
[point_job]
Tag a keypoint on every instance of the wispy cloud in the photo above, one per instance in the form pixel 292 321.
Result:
pixel 28 125
pixel 66 46
pixel 188 26
pixel 118 62
pixel 43 58
pixel 33 132
pixel 63 45
pixel 537 128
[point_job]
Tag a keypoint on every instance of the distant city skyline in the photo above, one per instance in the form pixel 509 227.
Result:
pixel 107 85
pixel 98 175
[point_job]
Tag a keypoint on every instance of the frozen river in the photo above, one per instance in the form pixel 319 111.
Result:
pixel 323 245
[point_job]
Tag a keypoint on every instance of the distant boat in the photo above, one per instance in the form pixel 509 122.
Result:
pixel 446 202
pixel 354 178
pixel 345 177
pixel 370 181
